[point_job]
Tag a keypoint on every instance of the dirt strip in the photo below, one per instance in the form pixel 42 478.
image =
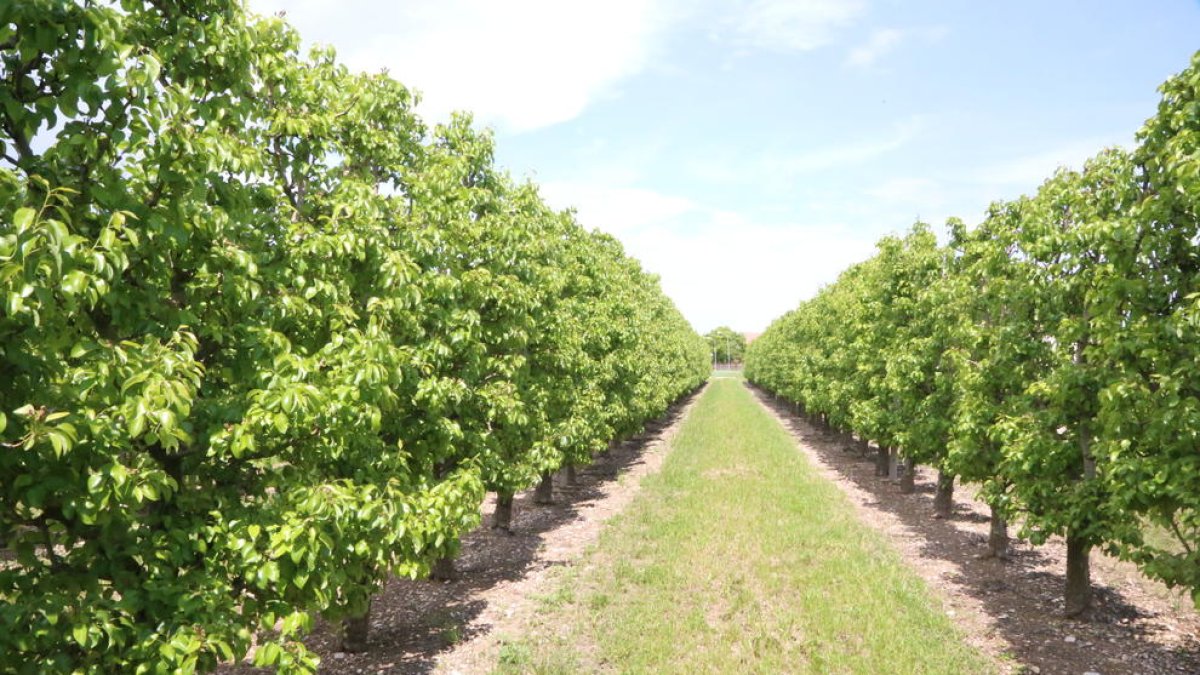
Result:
pixel 1012 610
pixel 457 627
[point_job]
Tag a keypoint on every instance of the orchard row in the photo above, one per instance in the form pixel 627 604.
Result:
pixel 1049 355
pixel 266 339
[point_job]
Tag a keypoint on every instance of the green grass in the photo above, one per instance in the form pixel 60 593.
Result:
pixel 737 558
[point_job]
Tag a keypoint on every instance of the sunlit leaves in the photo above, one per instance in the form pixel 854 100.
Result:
pixel 265 339
pixel 1049 349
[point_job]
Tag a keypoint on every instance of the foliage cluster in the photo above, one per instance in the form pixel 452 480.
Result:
pixel 265 338
pixel 726 345
pixel 1048 354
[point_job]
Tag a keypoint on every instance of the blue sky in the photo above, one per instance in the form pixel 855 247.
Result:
pixel 747 151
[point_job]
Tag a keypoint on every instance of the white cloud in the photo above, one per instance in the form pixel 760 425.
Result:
pixel 616 210
pixel 728 270
pixel 879 44
pixel 850 153
pixel 1030 170
pixel 772 170
pixel 795 25
pixel 721 267
pixel 522 64
pixel 884 41
pixel 907 190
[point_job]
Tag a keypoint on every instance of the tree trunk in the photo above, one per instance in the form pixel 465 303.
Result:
pixel 864 446
pixel 544 492
pixel 998 537
pixel 847 439
pixel 882 458
pixel 502 518
pixel 943 498
pixel 908 476
pixel 570 476
pixel 893 464
pixel 355 630
pixel 443 569
pixel 1078 593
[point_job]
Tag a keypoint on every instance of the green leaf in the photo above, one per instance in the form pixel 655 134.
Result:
pixel 267 654
pixel 80 634
pixel 23 218
pixel 137 425
pixel 74 282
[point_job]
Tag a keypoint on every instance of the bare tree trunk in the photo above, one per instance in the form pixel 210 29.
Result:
pixel 1078 592
pixel 502 518
pixel 882 457
pixel 864 446
pixel 893 464
pixel 908 476
pixel 998 536
pixel 943 498
pixel 443 569
pixel 544 492
pixel 355 631
pixel 570 476
pixel 847 439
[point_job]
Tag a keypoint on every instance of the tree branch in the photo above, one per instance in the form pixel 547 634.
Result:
pixel 24 151
pixel 1179 535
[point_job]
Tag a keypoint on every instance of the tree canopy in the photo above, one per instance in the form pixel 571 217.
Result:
pixel 267 338
pixel 726 345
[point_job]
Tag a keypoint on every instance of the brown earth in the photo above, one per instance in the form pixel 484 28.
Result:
pixel 1012 610
pixel 460 626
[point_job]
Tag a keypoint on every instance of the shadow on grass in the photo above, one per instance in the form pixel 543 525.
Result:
pixel 1023 596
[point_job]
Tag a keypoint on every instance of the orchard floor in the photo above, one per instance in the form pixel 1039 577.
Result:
pixel 522 597
pixel 1013 608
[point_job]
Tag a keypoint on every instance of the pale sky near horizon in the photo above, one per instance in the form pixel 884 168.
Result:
pixel 747 151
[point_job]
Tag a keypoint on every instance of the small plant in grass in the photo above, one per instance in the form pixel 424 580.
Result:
pixel 515 654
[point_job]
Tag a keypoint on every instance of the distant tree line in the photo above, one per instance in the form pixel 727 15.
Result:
pixel 726 345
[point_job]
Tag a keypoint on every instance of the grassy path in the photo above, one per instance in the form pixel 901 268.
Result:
pixel 736 557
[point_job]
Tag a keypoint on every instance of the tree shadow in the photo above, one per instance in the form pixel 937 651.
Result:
pixel 1023 595
pixel 413 622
